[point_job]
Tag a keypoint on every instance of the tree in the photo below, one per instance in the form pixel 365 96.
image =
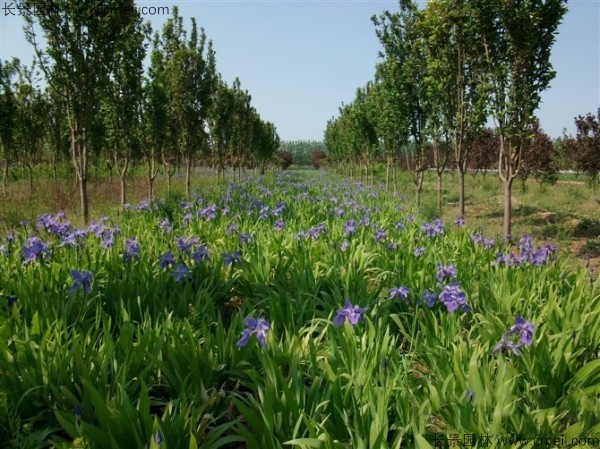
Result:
pixel 517 39
pixel 190 65
pixel 155 116
pixel 123 102
pixel 484 153
pixel 57 131
pixel 390 114
pixel 285 158
pixel 317 159
pixel 362 131
pixel 8 106
pixel 587 147
pixel 404 48
pixel 31 113
pixel 539 158
pixel 81 41
pixel 220 120
pixel 455 82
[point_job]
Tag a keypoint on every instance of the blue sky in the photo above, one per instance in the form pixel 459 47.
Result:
pixel 300 60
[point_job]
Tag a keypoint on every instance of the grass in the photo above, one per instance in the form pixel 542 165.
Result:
pixel 564 214
pixel 146 358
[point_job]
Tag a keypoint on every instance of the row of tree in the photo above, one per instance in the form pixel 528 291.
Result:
pixel 446 70
pixel 100 105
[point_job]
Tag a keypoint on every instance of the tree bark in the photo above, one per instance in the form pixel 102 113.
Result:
pixel 439 191
pixel 30 173
pixel 461 192
pixel 507 226
pixel 188 169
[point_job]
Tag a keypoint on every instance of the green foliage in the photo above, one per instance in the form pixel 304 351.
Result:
pixel 301 150
pixel 142 360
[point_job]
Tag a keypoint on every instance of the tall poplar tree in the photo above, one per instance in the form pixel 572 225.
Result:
pixel 517 39
pixel 8 107
pixel 404 46
pixel 455 79
pixel 78 55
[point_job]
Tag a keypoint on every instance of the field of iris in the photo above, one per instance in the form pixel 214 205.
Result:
pixel 290 312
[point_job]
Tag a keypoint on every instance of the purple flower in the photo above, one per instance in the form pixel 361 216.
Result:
pixel 185 243
pixel 81 279
pixel 200 255
pixel 460 221
pixel 244 238
pixel 453 298
pixel 263 213
pixel 445 272
pixel 181 273
pixel 469 395
pixel 399 292
pixel 419 251
pixel 165 225
pixel 132 250
pixel 344 245
pixel 364 220
pixel 279 225
pixel 392 246
pixel 506 346
pixel 158 439
pixel 349 312
pixel 233 257
pixel 10 300
pixel 231 229
pixel 314 232
pixel 433 229
pixel 71 240
pixel 349 227
pixel 429 298
pixel 166 260
pixel 77 411
pixel 525 245
pixel 208 213
pixel 35 249
pixel 253 326
pixel 278 209
pixel 478 239
pixel 10 237
pixel 523 328
pixel 379 235
pixel 142 206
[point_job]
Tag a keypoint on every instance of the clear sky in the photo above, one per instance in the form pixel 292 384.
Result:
pixel 301 59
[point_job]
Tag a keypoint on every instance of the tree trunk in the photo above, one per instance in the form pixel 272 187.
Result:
pixel 151 188
pixel 54 168
pixel 83 196
pixel 5 176
pixel 507 184
pixel 30 172
pixel 461 192
pixel 188 170
pixel 387 174
pixel 123 193
pixel 419 186
pixel 439 191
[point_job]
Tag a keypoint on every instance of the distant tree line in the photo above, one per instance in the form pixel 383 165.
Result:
pixel 88 99
pixel 446 70
pixel 301 151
